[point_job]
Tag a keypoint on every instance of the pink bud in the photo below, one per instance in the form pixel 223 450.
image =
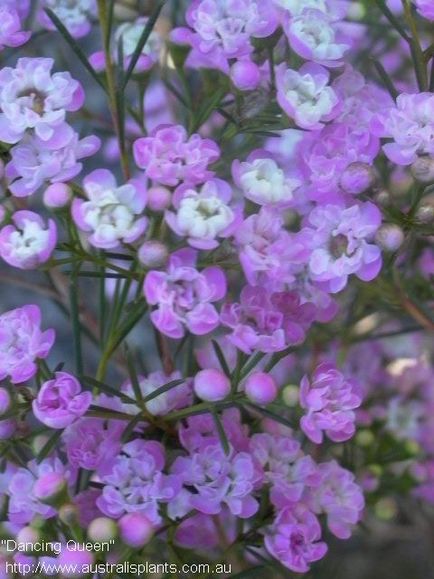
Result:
pixel 260 388
pixel 211 385
pixel 159 198
pixel 57 195
pixel 153 254
pixel 357 178
pixel 49 486
pixel 245 75
pixel 390 237
pixel 423 169
pixel 102 529
pixel 135 529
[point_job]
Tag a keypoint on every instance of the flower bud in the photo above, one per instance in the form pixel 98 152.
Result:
pixel 153 254
pixel 135 529
pixel 245 75
pixel 5 401
pixel 38 443
pixel 423 169
pixel 159 198
pixel 382 198
pixel 102 529
pixel 28 535
pixel 211 385
pixel 390 237
pixel 51 488
pixel 425 213
pixel 291 395
pixel 261 388
pixel 57 195
pixel 357 178
pixel 68 514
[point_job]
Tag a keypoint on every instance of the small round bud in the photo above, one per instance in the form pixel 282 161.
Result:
pixel 245 75
pixel 425 213
pixel 423 169
pixel 357 178
pixel 153 254
pixel 365 438
pixel 211 385
pixel 57 195
pixel 50 488
pixel 159 198
pixel 386 509
pixel 261 388
pixel 102 529
pixel 5 400
pixel 382 198
pixel 28 535
pixel 39 442
pixel 68 514
pixel 135 529
pixel 390 237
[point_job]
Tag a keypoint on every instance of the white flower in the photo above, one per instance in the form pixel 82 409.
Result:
pixel 130 32
pixel 295 7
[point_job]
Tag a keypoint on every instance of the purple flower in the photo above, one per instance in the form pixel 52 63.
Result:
pixel 313 35
pixel 23 504
pixel 202 215
pixel 305 95
pixel 112 214
pixel 410 124
pixel 169 156
pixel 184 295
pixel 28 242
pixel 294 539
pixel 262 180
pixel 32 98
pixel 91 442
pixel 219 479
pixel 35 162
pixel 425 8
pixel 267 322
pixel 76 16
pixel 60 401
pixel 21 342
pixel 339 497
pixel 340 239
pixel 329 400
pixel 222 30
pixel 133 482
pixel 178 397
pixel 11 33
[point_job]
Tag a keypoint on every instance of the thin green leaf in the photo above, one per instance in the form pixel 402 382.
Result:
pixel 75 320
pixel 269 414
pixel 221 432
pixel 221 357
pixel 49 446
pixel 75 46
pixel 163 389
pixel 133 375
pixel 100 386
pixel 130 427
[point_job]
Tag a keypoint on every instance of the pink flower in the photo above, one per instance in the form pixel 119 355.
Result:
pixel 294 539
pixel 426 8
pixel 168 156
pixel 305 95
pixel 329 401
pixel 22 342
pixel 267 322
pixel 340 239
pixel 11 34
pixel 34 99
pixel 35 162
pixel 27 243
pixel 112 214
pixel 60 401
pixel 184 296
pixel 202 215
pixel 76 16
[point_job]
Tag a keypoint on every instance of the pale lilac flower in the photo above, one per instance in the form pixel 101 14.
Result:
pixel 35 162
pixel 23 505
pixel 410 124
pixel 329 400
pixel 11 33
pixel 134 482
pixel 294 539
pixel 267 322
pixel 313 36
pixel 90 442
pixel 28 242
pixel 219 479
pixel 425 8
pixel 262 180
pixel 340 239
pixel 178 397
pixel 184 296
pixel 75 15
pixel 60 401
pixel 222 30
pixel 204 214
pixel 22 342
pixel 296 7
pixel 32 98
pixel 339 497
pixel 305 95
pixel 169 156
pixel 112 214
